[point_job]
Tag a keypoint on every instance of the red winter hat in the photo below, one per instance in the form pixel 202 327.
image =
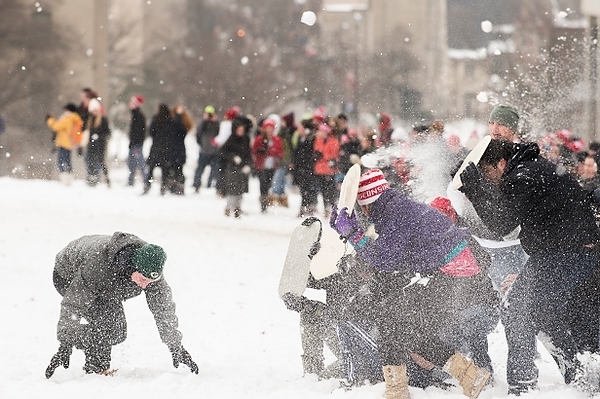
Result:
pixel 137 100
pixel 444 205
pixel 232 112
pixel 370 186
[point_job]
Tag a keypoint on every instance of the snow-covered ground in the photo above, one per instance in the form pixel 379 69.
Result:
pixel 224 274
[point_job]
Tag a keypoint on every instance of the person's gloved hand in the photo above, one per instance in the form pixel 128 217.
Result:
pixel 180 355
pixel 346 225
pixel 313 311
pixel 294 302
pixel 471 179
pixel 80 151
pixel 61 358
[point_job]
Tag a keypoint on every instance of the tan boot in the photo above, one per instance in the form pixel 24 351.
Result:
pixel 396 382
pixel 472 379
pixel 283 201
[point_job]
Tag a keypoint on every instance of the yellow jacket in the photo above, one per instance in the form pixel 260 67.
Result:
pixel 67 128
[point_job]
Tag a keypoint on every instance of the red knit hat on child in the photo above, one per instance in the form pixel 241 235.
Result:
pixel 371 185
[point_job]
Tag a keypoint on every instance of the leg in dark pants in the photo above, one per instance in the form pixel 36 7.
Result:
pixel 106 327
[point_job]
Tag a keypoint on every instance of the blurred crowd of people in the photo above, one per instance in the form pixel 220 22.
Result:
pixel 312 152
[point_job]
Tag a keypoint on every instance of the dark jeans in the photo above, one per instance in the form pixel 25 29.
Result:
pixel 410 317
pixel 265 178
pixel 64 160
pixel 327 186
pixel 204 161
pixel 95 165
pixel 360 353
pixel 308 191
pixel 135 162
pixel 468 334
pixel 163 180
pixel 542 300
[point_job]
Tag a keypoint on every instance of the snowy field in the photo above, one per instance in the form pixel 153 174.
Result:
pixel 224 275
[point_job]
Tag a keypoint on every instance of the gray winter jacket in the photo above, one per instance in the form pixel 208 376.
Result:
pixel 89 264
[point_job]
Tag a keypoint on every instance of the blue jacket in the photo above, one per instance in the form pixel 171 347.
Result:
pixel 413 236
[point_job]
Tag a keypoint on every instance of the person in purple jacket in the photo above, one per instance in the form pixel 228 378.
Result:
pixel 419 256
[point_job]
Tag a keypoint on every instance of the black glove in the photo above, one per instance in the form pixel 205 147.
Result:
pixel 294 302
pixel 80 151
pixel 61 358
pixel 313 311
pixel 180 355
pixel 471 179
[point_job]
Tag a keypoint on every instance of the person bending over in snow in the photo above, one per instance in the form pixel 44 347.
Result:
pixel 95 274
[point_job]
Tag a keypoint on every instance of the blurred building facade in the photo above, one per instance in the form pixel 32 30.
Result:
pixel 401 55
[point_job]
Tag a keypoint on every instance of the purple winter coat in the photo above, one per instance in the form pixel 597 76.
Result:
pixel 412 236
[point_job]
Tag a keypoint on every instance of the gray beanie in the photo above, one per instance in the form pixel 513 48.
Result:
pixel 506 115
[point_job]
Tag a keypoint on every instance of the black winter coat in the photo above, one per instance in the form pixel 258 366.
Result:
pixel 303 159
pixel 137 129
pixel 551 208
pixel 177 146
pixel 162 132
pixel 235 182
pixel 207 131
pixel 99 135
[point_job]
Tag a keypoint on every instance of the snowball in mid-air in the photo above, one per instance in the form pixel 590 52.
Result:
pixel 487 26
pixel 309 18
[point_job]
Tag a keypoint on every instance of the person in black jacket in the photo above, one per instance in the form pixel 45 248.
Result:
pixel 162 129
pixel 137 135
pixel 235 161
pixel 512 186
pixel 99 133
pixel 209 150
pixel 303 166
pixel 94 274
pixel 183 125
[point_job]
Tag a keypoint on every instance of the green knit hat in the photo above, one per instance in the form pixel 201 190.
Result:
pixel 506 115
pixel 149 260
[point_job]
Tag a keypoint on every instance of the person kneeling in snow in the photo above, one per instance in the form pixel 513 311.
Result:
pixel 95 274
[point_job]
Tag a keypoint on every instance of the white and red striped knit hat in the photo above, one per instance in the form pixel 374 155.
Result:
pixel 370 186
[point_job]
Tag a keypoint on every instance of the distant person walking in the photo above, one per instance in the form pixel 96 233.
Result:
pixel 137 135
pixel 209 150
pixel 67 128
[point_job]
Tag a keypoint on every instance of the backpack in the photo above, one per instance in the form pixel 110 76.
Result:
pixel 77 132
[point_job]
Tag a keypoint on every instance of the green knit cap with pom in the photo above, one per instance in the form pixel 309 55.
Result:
pixel 149 260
